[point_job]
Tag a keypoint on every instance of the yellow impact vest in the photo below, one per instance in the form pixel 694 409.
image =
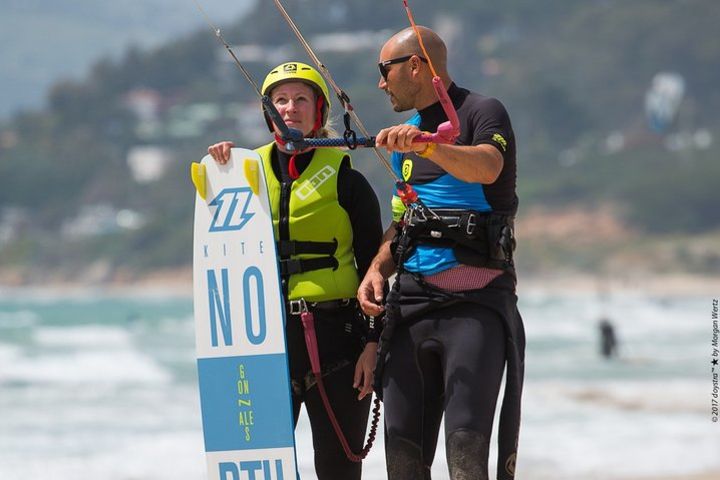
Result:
pixel 315 215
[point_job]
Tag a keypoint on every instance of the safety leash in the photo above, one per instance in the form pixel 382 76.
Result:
pixel 448 131
pixel 404 190
pixel 293 138
pixel 308 321
pixel 289 135
pixel 339 92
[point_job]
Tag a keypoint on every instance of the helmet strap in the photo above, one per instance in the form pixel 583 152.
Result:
pixel 279 140
pixel 292 168
pixel 318 114
pixel 282 143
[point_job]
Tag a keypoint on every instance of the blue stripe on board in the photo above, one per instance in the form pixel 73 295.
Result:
pixel 245 403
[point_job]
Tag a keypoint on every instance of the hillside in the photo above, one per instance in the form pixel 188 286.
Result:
pixel 573 75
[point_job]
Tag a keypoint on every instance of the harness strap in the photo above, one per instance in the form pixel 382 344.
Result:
pixel 301 265
pixel 297 307
pixel 297 247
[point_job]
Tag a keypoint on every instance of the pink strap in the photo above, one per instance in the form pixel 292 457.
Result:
pixel 308 321
pixel 448 131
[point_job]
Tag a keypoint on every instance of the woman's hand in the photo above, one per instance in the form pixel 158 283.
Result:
pixel 364 370
pixel 221 151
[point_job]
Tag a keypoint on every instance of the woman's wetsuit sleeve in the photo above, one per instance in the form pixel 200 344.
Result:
pixel 358 199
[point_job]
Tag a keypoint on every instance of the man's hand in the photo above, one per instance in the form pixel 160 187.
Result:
pixel 370 293
pixel 221 151
pixel 364 370
pixel 399 139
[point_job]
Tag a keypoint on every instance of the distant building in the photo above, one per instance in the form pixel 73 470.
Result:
pixel 90 221
pixel 144 103
pixel 192 120
pixel 148 163
pixel 326 42
pixel 250 123
pixel 8 139
pixel 350 41
pixel 94 220
pixel 12 220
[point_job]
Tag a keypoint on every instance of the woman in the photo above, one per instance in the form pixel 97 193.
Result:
pixel 327 235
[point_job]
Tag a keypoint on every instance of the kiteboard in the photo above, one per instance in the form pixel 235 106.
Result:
pixel 239 324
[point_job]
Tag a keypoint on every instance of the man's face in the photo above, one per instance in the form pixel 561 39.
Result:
pixel 397 81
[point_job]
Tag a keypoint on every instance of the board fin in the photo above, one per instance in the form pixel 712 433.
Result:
pixel 199 178
pixel 252 174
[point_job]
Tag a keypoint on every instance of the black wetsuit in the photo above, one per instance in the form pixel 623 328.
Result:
pixel 340 335
pixel 445 351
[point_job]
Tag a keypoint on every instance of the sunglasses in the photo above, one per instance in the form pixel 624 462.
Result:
pixel 383 65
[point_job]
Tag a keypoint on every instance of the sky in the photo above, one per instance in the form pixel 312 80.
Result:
pixel 43 41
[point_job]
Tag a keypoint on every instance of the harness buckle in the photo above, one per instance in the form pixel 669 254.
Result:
pixel 298 307
pixel 471 224
pixel 447 221
pixel 416 214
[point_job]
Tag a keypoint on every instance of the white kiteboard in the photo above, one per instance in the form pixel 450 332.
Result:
pixel 239 324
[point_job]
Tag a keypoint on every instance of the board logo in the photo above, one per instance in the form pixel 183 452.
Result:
pixel 220 311
pixel 250 467
pixel 510 464
pixel 312 184
pixel 228 217
pixel 407 168
pixel 500 140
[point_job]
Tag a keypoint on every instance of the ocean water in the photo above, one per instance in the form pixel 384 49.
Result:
pixel 96 386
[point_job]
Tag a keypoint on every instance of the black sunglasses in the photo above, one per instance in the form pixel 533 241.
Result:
pixel 383 65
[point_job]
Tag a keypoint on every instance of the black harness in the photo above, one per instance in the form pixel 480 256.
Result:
pixel 480 239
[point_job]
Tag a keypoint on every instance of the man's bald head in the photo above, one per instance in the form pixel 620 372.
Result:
pixel 405 42
pixel 408 80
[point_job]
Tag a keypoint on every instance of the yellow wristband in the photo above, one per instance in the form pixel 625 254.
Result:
pixel 428 150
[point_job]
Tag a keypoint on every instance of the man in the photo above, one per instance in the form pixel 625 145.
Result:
pixel 452 321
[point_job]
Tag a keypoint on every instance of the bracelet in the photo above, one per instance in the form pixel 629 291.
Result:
pixel 428 150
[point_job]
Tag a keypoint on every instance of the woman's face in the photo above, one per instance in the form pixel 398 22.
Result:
pixel 295 101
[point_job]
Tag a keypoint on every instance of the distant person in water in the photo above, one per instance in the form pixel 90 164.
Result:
pixel 608 339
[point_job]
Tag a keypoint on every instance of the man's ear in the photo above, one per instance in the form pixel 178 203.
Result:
pixel 415 66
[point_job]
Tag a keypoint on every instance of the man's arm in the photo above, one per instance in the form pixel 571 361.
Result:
pixel 477 163
pixel 371 289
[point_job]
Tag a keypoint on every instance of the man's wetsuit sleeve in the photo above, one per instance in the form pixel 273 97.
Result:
pixel 491 124
pixel 358 199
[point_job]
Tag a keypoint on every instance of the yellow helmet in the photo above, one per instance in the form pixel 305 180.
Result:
pixel 298 72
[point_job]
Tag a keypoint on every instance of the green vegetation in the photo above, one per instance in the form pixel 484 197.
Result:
pixel 572 74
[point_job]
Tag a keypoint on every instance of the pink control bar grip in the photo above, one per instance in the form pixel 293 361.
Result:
pixel 448 131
